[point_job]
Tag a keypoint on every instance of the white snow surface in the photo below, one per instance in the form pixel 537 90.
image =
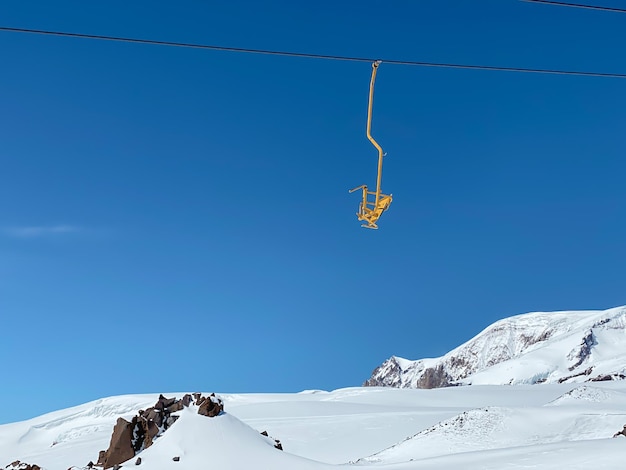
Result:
pixel 552 426
pixel 539 347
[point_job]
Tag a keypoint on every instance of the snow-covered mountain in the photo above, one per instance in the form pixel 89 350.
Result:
pixel 539 347
pixel 549 427
pixel 561 424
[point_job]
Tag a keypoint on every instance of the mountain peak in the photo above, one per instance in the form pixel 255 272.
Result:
pixel 537 347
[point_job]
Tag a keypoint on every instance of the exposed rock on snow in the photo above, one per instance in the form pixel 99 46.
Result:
pixel 541 347
pixel 130 438
pixel 210 406
pixel 605 377
pixel 121 447
pixel 17 465
pixel 587 371
pixel 277 443
pixel 583 351
pixel 548 427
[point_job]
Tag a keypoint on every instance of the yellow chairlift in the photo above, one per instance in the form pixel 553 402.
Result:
pixel 371 210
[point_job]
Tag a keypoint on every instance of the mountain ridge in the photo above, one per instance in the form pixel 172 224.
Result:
pixel 536 347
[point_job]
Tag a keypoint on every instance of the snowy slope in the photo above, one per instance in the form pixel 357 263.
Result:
pixel 67 437
pixel 585 413
pixel 540 347
pixel 551 426
pixel 222 442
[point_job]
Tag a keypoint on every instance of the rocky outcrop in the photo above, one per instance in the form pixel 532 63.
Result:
pixel 434 378
pixel 210 406
pixel 131 437
pixel 583 352
pixel 394 373
pixel 606 377
pixel 388 374
pixel 277 444
pixel 121 446
pixel 587 371
pixel 17 465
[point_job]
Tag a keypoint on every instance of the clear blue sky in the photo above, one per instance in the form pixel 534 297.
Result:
pixel 176 219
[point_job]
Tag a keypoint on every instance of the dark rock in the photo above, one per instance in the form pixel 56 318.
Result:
pixel 154 415
pixel 584 349
pixel 130 438
pixel 587 371
pixel 121 446
pixel 169 421
pixel 277 444
pixel 164 403
pixel 211 407
pixel 433 378
pixel 186 400
pixel 151 433
pixel 138 461
pixel 19 465
pixel 176 406
pixel 601 378
pixel 176 459
pixel 604 378
pixel 138 434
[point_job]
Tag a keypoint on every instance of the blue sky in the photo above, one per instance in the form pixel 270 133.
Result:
pixel 179 220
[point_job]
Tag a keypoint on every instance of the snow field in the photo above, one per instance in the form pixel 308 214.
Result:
pixel 477 427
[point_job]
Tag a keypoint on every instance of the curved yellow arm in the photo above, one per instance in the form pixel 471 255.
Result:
pixel 369 128
pixel 370 212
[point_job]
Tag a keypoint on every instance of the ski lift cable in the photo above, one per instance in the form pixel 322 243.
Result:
pixel 579 73
pixel 577 5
